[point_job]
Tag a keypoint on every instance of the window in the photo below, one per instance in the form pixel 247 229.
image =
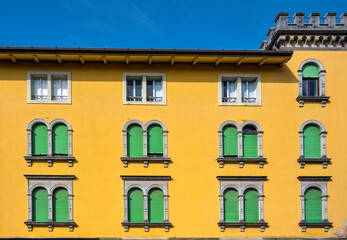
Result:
pixel 230 141
pixel 49 87
pixel 312 82
pixel 241 202
pixel 145 143
pixel 314 202
pixel 144 88
pixel 312 135
pixel 41 188
pixel 239 89
pixel 146 202
pixel 49 142
pixel 250 142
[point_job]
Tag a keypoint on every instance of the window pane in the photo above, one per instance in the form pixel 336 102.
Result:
pixel 39 87
pixel 149 88
pixel 244 89
pixel 130 92
pixel 251 206
pixel 313 87
pixel 304 87
pixel 224 90
pixel 251 89
pixel 56 91
pixel 232 88
pixel 158 88
pixel 138 88
pixel 229 91
pixel 64 88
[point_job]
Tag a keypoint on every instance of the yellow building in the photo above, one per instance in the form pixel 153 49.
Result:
pixel 146 143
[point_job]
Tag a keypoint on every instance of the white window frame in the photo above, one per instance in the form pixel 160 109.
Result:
pixel 144 88
pixel 49 87
pixel 239 79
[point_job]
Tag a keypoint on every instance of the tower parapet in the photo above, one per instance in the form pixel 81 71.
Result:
pixel 313 35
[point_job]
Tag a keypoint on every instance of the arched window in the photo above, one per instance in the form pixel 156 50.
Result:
pixel 312 141
pixel 250 142
pixel 155 140
pixel 251 206
pixel 135 205
pixel 135 141
pixel 40 205
pixel 60 205
pixel 313 205
pixel 310 80
pixel 39 139
pixel 60 139
pixel 231 206
pixel 230 141
pixel 156 205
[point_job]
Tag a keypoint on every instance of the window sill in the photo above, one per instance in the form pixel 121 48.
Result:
pixel 50 225
pixel 146 160
pixel 322 99
pixel 243 225
pixel 324 224
pixel 147 225
pixel 241 161
pixel 144 103
pixel 324 160
pixel 50 159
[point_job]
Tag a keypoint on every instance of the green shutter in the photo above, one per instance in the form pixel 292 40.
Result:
pixel 156 206
pixel 60 139
pixel 40 205
pixel 155 140
pixel 250 146
pixel 311 142
pixel 231 206
pixel 39 139
pixel 135 205
pixel 310 71
pixel 230 141
pixel 135 141
pixel 313 205
pixel 251 206
pixel 61 205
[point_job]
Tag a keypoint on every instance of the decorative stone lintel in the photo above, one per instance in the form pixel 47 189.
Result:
pixel 146 160
pixel 323 160
pixel 303 99
pixel 324 224
pixel 50 225
pixel 241 161
pixel 50 159
pixel 146 225
pixel 242 225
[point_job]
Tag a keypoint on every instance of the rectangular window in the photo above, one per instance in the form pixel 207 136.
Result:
pixel 229 90
pixel 144 88
pixel 49 87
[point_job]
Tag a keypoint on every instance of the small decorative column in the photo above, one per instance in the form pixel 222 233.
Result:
pixel 165 154
pixel 220 137
pixel 260 144
pixel 301 140
pixel 125 199
pixel 50 212
pixel 323 147
pixel 166 211
pixel 240 145
pixel 325 208
pixel 30 206
pixel 241 212
pixel 302 201
pixel 49 132
pixel 69 132
pixel 125 143
pixel 144 132
pixel 221 204
pixel 145 203
pixel 71 227
pixel 261 207
pixel 29 142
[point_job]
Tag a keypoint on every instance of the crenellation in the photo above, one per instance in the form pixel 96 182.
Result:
pixel 314 19
pixel 299 19
pixel 330 19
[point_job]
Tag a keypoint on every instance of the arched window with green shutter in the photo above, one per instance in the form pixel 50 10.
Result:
pixel 156 205
pixel 250 142
pixel 39 139
pixel 310 80
pixel 230 141
pixel 60 205
pixel 155 140
pixel 251 205
pixel 40 205
pixel 60 139
pixel 135 141
pixel 231 205
pixel 312 142
pixel 313 205
pixel 135 205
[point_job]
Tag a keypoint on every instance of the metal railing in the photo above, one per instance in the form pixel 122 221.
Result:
pixel 134 99
pixel 60 98
pixel 154 99
pixel 229 99
pixel 249 99
pixel 39 97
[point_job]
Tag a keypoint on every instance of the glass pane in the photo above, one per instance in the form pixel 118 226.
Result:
pixel 313 87
pixel 64 88
pixel 251 89
pixel 44 89
pixel 158 89
pixel 138 88
pixel 39 87
pixel 244 89
pixel 150 88
pixel 304 87
pixel 36 87
pixel 232 89
pixel 130 88
pixel 224 90
pixel 56 89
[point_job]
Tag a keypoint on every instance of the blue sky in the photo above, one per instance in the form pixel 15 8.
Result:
pixel 223 24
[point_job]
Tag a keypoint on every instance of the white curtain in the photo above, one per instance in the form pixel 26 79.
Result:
pixel 39 87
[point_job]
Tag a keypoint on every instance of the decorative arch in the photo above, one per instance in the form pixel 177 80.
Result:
pixel 157 122
pixel 251 186
pixel 252 123
pixel 60 186
pixel 149 188
pixel 314 185
pixel 37 120
pixel 131 122
pixel 233 187
pixel 32 188
pixel 226 123
pixel 314 122
pixel 313 61
pixel 131 187
pixel 56 121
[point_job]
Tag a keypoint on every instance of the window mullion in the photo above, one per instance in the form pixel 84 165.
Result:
pixel 144 89
pixel 49 87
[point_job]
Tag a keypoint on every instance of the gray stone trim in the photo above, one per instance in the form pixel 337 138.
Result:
pixel 242 225
pixel 241 161
pixel 50 225
pixel 147 225
pixel 29 133
pixel 50 159
pixel 146 160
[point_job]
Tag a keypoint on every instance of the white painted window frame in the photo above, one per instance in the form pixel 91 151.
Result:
pixel 49 87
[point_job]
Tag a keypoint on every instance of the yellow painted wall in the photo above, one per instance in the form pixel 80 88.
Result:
pixel 192 116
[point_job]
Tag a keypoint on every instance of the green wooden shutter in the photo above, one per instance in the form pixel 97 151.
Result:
pixel 60 139
pixel 230 141
pixel 61 205
pixel 250 143
pixel 156 206
pixel 231 206
pixel 135 206
pixel 313 205
pixel 311 142
pixel 251 206
pixel 155 140
pixel 40 205
pixel 39 139
pixel 135 141
pixel 310 71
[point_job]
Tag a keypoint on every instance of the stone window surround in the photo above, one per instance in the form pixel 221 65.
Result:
pixel 50 157
pixel 145 159
pixel 240 159
pixel 49 86
pixel 321 98
pixel 239 89
pixel 323 159
pixel 50 183
pixel 319 182
pixel 145 184
pixel 241 184
pixel 144 88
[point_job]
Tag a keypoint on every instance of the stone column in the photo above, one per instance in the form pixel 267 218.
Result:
pixel 49 132
pixel 302 201
pixel 165 153
pixel 145 205
pixel 144 132
pixel 241 208
pixel 240 143
pixel 260 144
pixel 30 208
pixel 300 82
pixel 221 204
pixel 220 137
pixel 29 142
pixel 166 208
pixel 261 207
pixel 50 207
pixel 301 140
pixel 322 82
pixel 125 199
pixel 324 208
pixel 125 143
pixel 323 144
pixel 70 208
pixel 69 132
